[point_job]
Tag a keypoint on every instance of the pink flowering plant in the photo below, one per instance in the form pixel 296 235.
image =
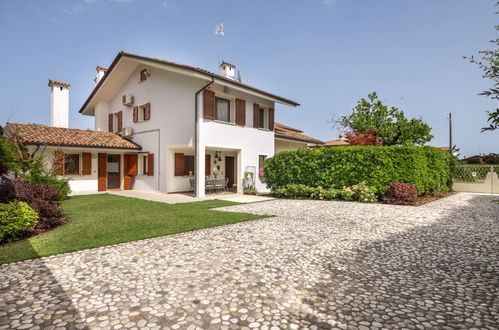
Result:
pixel 261 172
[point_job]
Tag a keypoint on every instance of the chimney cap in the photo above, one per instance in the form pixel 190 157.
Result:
pixel 101 68
pixel 53 82
pixel 227 63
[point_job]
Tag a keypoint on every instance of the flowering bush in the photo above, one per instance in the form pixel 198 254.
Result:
pixel 400 193
pixel 361 192
pixel 261 172
pixel 302 191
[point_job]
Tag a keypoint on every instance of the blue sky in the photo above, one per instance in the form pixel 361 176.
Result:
pixel 325 54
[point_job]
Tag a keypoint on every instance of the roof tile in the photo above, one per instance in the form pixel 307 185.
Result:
pixel 59 136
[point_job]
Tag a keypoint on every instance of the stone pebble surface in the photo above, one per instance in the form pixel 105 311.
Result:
pixel 313 265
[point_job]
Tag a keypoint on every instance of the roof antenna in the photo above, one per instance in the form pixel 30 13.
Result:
pixel 219 31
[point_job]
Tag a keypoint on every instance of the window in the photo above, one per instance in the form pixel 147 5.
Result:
pixel 188 165
pixel 262 119
pixel 142 113
pixel 143 163
pixel 222 109
pixel 144 74
pixel 72 164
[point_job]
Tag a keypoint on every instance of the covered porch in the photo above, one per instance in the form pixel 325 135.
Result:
pixel 213 170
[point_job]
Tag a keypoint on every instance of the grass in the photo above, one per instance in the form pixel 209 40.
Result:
pixel 99 220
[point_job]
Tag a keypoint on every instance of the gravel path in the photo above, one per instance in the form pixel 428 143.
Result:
pixel 316 265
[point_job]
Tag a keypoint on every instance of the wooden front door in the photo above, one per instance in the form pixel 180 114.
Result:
pixel 230 172
pixel 113 171
pixel 102 172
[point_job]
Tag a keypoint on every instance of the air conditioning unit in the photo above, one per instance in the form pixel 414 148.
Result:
pixel 127 131
pixel 127 99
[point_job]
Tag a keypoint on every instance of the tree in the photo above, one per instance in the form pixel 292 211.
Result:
pixel 363 139
pixel 390 125
pixel 489 64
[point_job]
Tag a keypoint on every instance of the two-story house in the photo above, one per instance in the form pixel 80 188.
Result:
pixel 163 126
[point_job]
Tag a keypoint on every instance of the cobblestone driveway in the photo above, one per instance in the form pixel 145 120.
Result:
pixel 316 265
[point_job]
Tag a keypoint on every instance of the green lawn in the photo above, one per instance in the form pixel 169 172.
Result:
pixel 99 220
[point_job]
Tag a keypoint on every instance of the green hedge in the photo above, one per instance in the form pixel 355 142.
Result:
pixel 427 168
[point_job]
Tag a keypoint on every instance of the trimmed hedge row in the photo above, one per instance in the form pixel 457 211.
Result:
pixel 427 168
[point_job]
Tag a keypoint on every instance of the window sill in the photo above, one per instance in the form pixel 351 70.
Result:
pixel 264 129
pixel 224 122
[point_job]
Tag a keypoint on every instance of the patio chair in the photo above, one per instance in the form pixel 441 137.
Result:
pixel 219 185
pixel 226 183
pixel 209 185
pixel 192 182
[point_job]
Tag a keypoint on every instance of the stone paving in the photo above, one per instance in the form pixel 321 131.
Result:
pixel 315 265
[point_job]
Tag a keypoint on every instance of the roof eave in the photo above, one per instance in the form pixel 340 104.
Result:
pixel 280 137
pixel 225 80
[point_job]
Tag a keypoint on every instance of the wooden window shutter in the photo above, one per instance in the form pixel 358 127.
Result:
pixel 102 173
pixel 135 114
pixel 150 164
pixel 131 164
pixel 120 121
pixel 58 162
pixel 240 112
pixel 256 115
pixel 87 163
pixel 207 165
pixel 179 164
pixel 209 104
pixel 143 75
pixel 271 119
pixel 110 122
pixel 147 111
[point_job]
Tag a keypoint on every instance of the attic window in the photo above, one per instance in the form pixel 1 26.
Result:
pixel 143 75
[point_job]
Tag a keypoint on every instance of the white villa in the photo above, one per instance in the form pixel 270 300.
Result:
pixel 164 127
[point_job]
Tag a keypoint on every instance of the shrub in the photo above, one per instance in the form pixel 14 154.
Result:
pixel 43 198
pixel 302 191
pixel 15 217
pixel 400 193
pixel 361 192
pixel 427 168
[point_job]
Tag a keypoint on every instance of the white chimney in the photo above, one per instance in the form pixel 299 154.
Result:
pixel 100 73
pixel 59 103
pixel 227 70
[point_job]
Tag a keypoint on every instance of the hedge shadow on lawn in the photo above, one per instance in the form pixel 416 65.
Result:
pixel 43 295
pixel 447 271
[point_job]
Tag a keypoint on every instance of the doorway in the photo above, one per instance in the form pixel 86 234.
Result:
pixel 113 171
pixel 230 170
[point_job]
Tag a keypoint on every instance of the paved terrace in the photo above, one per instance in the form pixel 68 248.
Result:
pixel 316 265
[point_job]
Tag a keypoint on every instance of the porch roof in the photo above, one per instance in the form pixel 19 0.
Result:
pixel 34 134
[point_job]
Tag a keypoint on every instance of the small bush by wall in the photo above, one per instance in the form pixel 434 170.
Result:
pixel 400 193
pixel 427 168
pixel 15 217
pixel 43 198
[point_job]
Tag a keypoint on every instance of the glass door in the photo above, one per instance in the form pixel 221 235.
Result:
pixel 113 171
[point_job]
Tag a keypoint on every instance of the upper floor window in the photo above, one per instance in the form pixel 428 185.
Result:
pixel 262 118
pixel 142 113
pixel 222 107
pixel 144 74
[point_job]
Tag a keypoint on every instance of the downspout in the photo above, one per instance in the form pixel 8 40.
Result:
pixel 196 132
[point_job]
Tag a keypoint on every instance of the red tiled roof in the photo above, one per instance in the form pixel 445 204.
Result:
pixel 291 133
pixel 103 68
pixel 57 82
pixel 58 136
pixel 336 143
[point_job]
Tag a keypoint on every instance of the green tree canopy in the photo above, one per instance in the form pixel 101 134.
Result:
pixel 389 124
pixel 489 63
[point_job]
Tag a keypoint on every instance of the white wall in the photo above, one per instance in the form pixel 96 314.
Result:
pixel 172 119
pixel 59 106
pixel 171 126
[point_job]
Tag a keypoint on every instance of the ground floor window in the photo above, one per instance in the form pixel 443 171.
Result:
pixel 72 164
pixel 188 165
